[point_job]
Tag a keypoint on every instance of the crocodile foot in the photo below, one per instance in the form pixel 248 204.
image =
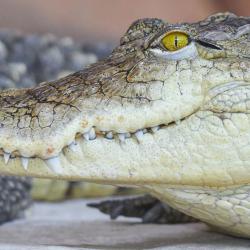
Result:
pixel 146 207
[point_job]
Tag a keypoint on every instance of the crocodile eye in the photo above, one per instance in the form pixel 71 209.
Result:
pixel 175 40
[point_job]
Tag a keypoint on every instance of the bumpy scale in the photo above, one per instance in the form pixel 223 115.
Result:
pixel 173 121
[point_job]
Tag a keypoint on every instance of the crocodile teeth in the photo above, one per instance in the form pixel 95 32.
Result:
pixel 139 135
pixel 122 137
pixel 6 157
pixel 55 165
pixel 25 162
pixel 72 146
pixel 109 135
pixel 86 136
pixel 154 129
pixel 127 135
pixel 92 134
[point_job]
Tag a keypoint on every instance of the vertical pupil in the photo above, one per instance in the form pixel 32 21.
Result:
pixel 176 41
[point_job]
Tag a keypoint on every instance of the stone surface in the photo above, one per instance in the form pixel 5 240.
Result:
pixel 72 225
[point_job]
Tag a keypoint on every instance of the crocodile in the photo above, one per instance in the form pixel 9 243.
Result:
pixel 167 111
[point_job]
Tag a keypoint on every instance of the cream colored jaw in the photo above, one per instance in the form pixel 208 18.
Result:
pixel 55 164
pixel 167 104
pixel 100 158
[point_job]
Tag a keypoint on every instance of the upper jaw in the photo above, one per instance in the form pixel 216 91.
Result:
pixel 166 101
pixel 116 117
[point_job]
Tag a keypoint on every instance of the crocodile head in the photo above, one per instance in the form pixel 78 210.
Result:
pixel 169 105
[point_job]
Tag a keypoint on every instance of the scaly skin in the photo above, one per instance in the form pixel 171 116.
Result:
pixel 146 207
pixel 197 160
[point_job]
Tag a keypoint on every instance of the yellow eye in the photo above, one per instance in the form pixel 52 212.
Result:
pixel 175 40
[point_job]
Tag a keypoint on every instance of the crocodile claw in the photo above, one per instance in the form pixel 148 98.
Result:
pixel 147 208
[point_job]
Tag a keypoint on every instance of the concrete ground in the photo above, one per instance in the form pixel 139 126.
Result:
pixel 71 225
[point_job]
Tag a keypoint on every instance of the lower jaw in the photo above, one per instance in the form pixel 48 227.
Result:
pixel 158 158
pixel 108 162
pixel 226 209
pixel 100 160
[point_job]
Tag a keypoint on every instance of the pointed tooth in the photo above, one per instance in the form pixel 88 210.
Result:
pixel 139 135
pixel 109 135
pixel 86 136
pixel 145 131
pixel 92 134
pixel 121 137
pixel 55 165
pixel 72 142
pixel 127 135
pixel 72 146
pixel 6 157
pixel 154 129
pixel 25 162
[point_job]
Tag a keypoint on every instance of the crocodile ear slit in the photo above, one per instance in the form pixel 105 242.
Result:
pixel 208 45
